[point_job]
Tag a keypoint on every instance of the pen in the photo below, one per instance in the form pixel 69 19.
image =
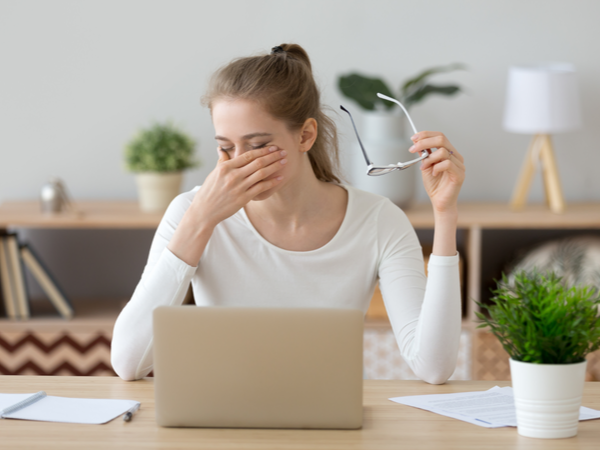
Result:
pixel 129 414
pixel 22 404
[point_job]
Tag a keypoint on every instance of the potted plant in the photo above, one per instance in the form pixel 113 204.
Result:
pixel 385 128
pixel 158 155
pixel 547 328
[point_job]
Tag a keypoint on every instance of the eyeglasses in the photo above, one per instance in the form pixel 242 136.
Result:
pixel 374 170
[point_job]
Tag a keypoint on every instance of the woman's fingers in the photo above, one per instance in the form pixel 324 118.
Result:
pixel 440 155
pixel 262 186
pixel 247 157
pixel 264 172
pixel 447 166
pixel 433 139
pixel 223 156
pixel 263 161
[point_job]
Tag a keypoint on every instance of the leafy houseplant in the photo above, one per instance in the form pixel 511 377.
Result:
pixel 363 90
pixel 539 320
pixel 547 329
pixel 158 155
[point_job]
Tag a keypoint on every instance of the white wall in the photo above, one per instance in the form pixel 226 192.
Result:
pixel 78 78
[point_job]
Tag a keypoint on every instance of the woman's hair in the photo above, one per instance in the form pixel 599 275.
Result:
pixel 282 82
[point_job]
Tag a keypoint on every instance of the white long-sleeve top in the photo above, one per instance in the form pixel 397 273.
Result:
pixel 375 242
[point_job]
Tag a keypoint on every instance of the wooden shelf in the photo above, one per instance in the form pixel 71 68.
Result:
pixel 90 215
pixel 499 215
pixel 90 314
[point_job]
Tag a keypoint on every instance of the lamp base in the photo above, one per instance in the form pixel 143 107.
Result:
pixel 540 149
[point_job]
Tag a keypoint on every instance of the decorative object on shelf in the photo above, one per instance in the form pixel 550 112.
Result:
pixel 158 155
pixel 541 100
pixel 14 257
pixel 547 329
pixel 575 259
pixel 385 132
pixel 55 198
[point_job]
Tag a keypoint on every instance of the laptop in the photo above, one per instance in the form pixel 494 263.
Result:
pixel 258 367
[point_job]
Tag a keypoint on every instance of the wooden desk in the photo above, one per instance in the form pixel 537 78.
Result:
pixel 386 425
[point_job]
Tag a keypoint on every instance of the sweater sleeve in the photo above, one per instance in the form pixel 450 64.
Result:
pixel 164 281
pixel 425 312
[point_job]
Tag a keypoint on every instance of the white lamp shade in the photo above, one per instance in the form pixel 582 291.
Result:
pixel 542 99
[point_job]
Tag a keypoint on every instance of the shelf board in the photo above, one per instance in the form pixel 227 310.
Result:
pixel 89 215
pixel 90 315
pixel 500 216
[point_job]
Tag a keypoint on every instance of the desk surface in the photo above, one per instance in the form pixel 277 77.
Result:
pixel 386 425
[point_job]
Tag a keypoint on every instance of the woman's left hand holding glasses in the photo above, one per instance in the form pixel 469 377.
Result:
pixel 443 171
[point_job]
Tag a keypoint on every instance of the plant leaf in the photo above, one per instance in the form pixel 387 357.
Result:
pixel 428 89
pixel 363 90
pixel 420 78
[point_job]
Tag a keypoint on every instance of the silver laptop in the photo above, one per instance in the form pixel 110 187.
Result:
pixel 258 367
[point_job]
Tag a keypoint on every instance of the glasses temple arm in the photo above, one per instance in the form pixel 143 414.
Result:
pixel 357 136
pixel 385 97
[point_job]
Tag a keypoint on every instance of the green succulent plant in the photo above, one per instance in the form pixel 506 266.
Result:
pixel 363 90
pixel 161 147
pixel 540 320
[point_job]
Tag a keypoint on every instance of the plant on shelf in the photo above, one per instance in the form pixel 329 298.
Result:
pixel 158 155
pixel 547 328
pixel 363 90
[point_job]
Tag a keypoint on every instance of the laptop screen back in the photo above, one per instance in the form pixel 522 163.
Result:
pixel 258 367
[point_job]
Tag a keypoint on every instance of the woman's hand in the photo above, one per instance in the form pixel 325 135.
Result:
pixel 236 181
pixel 230 186
pixel 443 171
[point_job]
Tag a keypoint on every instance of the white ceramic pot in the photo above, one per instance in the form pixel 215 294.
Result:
pixel 156 189
pixel 382 136
pixel 547 398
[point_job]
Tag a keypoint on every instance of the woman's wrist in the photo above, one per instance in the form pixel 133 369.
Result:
pixel 448 217
pixel 444 235
pixel 191 236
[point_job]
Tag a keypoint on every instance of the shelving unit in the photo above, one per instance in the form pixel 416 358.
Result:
pixel 47 344
pixel 90 331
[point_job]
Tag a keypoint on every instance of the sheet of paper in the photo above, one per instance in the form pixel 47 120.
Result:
pixel 491 409
pixel 64 409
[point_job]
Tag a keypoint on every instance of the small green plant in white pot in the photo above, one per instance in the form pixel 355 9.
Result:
pixel 547 329
pixel 158 155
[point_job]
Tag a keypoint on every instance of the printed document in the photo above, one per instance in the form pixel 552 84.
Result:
pixel 493 408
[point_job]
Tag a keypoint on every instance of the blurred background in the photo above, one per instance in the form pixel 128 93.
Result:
pixel 78 79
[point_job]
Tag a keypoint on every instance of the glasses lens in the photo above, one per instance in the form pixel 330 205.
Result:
pixel 381 171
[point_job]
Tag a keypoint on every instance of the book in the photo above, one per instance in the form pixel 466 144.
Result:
pixel 11 245
pixel 10 304
pixel 48 408
pixel 50 287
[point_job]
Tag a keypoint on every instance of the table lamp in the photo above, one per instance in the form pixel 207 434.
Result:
pixel 541 100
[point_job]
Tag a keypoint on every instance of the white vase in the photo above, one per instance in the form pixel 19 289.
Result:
pixel 157 189
pixel 547 398
pixel 382 136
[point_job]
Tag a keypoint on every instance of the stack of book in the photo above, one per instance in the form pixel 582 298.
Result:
pixel 14 258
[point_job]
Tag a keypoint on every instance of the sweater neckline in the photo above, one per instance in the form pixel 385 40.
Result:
pixel 331 242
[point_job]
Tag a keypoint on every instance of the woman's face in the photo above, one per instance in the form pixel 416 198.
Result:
pixel 243 125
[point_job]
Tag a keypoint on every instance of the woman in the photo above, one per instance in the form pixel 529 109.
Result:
pixel 273 226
